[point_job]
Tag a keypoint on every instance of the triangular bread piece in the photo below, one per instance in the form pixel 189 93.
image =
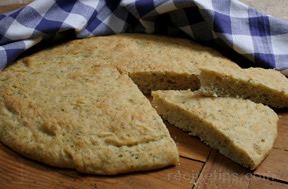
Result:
pixel 81 116
pixel 152 62
pixel 260 85
pixel 240 129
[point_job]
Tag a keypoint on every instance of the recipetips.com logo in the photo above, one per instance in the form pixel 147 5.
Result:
pixel 220 177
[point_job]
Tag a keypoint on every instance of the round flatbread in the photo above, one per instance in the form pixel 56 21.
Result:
pixel 90 118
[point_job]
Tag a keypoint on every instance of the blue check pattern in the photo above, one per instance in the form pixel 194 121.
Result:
pixel 261 38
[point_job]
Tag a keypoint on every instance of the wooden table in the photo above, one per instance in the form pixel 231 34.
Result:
pixel 199 167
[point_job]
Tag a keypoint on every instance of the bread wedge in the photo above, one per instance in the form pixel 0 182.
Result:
pixel 85 117
pixel 240 129
pixel 260 85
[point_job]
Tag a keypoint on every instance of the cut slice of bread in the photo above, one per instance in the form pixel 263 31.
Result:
pixel 240 129
pixel 87 117
pixel 153 62
pixel 260 85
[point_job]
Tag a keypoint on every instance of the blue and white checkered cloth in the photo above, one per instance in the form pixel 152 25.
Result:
pixel 261 38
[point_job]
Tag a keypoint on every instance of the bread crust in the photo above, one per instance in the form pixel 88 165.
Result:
pixel 86 117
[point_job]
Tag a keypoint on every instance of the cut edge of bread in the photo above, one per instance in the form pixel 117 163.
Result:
pixel 151 81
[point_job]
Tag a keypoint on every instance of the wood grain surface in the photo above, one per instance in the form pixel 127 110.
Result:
pixel 199 167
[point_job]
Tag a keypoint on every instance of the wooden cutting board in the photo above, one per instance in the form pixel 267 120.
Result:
pixel 199 167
